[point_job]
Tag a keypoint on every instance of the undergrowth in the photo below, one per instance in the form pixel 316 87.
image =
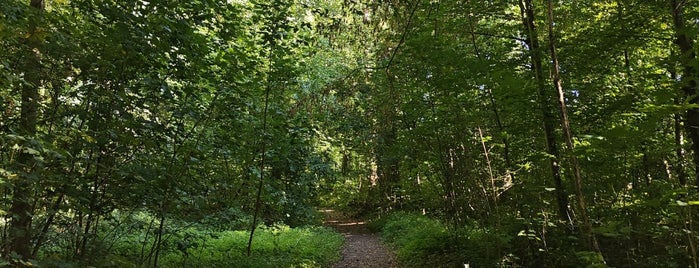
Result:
pixel 421 241
pixel 199 245
pixel 424 242
pixel 275 246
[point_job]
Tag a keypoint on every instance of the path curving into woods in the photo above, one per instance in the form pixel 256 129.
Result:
pixel 362 248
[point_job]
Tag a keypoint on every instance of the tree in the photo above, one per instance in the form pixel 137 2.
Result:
pixel 21 211
pixel 528 19
pixel 687 57
pixel 567 136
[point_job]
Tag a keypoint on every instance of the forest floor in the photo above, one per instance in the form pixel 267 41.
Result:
pixel 362 248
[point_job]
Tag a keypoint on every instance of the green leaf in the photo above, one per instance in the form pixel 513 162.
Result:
pixel 31 151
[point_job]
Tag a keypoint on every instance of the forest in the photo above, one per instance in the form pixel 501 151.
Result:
pixel 209 133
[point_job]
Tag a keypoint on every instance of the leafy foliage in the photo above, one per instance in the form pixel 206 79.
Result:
pixel 143 119
pixel 422 242
pixel 157 108
pixel 127 236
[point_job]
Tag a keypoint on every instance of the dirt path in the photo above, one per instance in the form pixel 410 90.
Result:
pixel 362 247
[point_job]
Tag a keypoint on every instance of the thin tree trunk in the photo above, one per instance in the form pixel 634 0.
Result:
pixel 505 140
pixel 21 210
pixel 489 94
pixel 493 189
pixel 680 168
pixel 689 78
pixel 565 122
pixel 486 155
pixel 679 148
pixel 258 196
pixel 159 236
pixel 691 119
pixel 388 163
pixel 527 12
pixel 49 221
pixel 447 170
pixel 143 256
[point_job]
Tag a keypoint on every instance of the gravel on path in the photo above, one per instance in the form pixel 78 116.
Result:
pixel 362 248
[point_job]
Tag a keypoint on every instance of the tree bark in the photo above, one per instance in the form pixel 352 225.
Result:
pixel 567 136
pixel 527 13
pixel 688 79
pixel 21 209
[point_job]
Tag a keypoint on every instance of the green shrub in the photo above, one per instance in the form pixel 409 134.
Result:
pixel 186 244
pixel 424 242
pixel 275 246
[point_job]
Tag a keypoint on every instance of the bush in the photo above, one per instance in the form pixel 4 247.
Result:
pixel 424 242
pixel 275 246
pixel 186 244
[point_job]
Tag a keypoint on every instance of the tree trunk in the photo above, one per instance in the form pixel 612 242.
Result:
pixel 679 136
pixel 388 165
pixel 679 150
pixel 688 79
pixel 260 185
pixel 21 210
pixel 388 162
pixel 527 12
pixel 567 136
pixel 53 211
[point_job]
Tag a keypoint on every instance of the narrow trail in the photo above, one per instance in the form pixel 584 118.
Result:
pixel 362 247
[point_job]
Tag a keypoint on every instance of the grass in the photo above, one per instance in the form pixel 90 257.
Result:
pixel 276 246
pixel 424 242
pixel 198 245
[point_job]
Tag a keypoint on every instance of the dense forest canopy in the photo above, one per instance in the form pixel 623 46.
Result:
pixel 568 131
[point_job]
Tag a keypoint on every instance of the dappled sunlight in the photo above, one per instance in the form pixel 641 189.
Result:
pixel 351 223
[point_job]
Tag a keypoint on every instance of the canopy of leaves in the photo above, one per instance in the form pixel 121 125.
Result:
pixel 183 111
